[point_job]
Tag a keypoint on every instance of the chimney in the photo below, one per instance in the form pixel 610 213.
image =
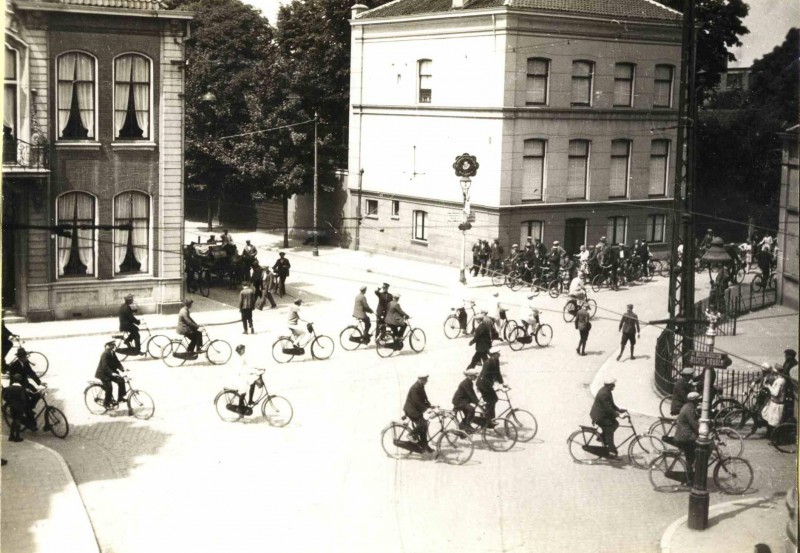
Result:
pixel 357 10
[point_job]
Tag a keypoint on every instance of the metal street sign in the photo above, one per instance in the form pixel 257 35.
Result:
pixel 705 359
pixel 455 216
pixel 466 165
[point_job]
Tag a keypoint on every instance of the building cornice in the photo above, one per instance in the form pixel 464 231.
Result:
pixel 537 112
pixel 99 10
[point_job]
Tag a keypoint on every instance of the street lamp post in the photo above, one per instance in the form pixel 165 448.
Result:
pixel 209 99
pixel 698 500
pixel 465 184
pixel 316 244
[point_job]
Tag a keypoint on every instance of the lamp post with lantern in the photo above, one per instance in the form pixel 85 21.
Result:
pixel 210 99
pixel 465 166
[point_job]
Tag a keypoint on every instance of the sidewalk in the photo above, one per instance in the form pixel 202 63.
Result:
pixel 52 517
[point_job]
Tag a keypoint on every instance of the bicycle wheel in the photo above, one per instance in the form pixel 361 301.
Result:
pixel 536 286
pixel 141 405
pixel 570 308
pixel 155 345
pixel 515 341
pixel 322 347
pixel 282 343
pixel 665 406
pixel 515 282
pixel 277 410
pixel 170 350
pixel 758 283
pixel 597 283
pixel 544 335
pixel 498 278
pixel 554 289
pixel 585 446
pixel 772 283
pixel 55 419
pixel 385 345
pixel 93 397
pixel 727 442
pixel 740 420
pixel 221 403
pixel 351 338
pixel 663 428
pixel 455 447
pixel 204 285
pixel 38 362
pixel 733 475
pixel 668 473
pixel 452 328
pixel 738 277
pixel 509 329
pixel 592 308
pixel 501 436
pixel 218 352
pixel 643 450
pixel 417 340
pixel 526 424
pixel 784 437
pixel 390 436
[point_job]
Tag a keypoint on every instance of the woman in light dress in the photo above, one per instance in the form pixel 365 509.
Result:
pixel 772 413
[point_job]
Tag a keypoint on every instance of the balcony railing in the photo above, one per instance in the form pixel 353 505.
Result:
pixel 18 154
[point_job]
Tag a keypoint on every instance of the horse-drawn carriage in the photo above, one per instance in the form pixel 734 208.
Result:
pixel 206 264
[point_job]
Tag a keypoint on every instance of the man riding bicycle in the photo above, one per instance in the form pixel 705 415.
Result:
pixel 396 318
pixel 28 378
pixel 764 259
pixel 577 288
pixel 531 319
pixel 604 414
pixel 416 405
pixel 300 334
pixel 248 379
pixel 108 370
pixel 188 327
pixel 130 324
pixel 466 398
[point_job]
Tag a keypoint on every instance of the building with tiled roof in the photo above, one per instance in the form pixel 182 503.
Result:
pixel 92 157
pixel 569 105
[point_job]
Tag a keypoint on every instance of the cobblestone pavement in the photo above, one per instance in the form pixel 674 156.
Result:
pixel 185 480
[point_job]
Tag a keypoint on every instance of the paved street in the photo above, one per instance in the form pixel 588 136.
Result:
pixel 185 480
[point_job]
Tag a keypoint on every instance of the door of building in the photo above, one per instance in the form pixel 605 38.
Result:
pixel 9 269
pixel 574 235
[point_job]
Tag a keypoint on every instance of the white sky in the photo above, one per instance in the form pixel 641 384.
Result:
pixel 768 21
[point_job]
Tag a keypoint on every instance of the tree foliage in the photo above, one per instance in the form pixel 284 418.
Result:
pixel 774 80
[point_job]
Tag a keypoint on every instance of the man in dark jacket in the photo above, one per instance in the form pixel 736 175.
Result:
pixel 7 344
pixel 257 278
pixel 29 380
pixel 16 403
pixel 466 398
pixel 247 302
pixel 268 280
pixel 107 372
pixel 584 326
pixel 384 297
pixel 490 373
pixel 396 318
pixel 281 269
pixel 129 323
pixel 361 311
pixel 416 405
pixel 604 414
pixel 482 339
pixel 687 429
pixel 188 327
pixel 629 326
pixel 680 390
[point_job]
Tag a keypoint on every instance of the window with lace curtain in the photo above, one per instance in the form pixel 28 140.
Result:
pixel 76 253
pixel 131 97
pixel 10 106
pixel 132 247
pixel 75 98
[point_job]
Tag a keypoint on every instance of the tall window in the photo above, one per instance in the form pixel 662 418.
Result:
pixel 662 91
pixel 530 229
pixel 582 74
pixel 420 226
pixel 395 209
pixel 578 170
pixel 533 170
pixel 132 247
pixel 10 119
pixel 655 228
pixel 75 98
pixel 75 253
pixel 620 167
pixel 372 209
pixel 132 97
pixel 425 81
pixel 536 87
pixel 659 164
pixel 617 228
pixel 623 84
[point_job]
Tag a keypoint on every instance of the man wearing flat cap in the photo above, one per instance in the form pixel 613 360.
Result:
pixel 466 398
pixel 629 326
pixel 604 414
pixel 281 269
pixel 416 405
pixel 30 381
pixel 361 311
pixel 482 339
pixel 384 297
pixel 687 430
pixel 108 370
pixel 130 324
pixel 490 373
pixel 681 388
pixel 188 327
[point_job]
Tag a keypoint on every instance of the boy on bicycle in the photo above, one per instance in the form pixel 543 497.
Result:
pixel 248 379
pixel 300 334
pixel 531 319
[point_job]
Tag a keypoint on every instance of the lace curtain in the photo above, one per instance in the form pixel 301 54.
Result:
pixel 76 77
pixel 132 71
pixel 133 208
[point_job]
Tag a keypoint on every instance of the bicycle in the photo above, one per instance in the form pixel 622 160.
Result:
pixel 276 409
pixel 452 326
pixel 520 335
pixel 498 434
pixel 642 450
pixel 760 283
pixel 526 424
pixel 571 308
pixel 176 352
pixel 285 349
pixel 386 344
pixel 605 278
pixel 784 437
pixel 558 284
pixel 399 440
pixel 727 440
pixel 37 360
pixel 499 276
pixel 140 404
pixel 353 336
pixel 732 475
pixel 54 419
pixel 719 407
pixel 198 281
pixel 152 345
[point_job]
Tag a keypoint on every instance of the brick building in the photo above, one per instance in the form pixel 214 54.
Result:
pixel 570 108
pixel 92 137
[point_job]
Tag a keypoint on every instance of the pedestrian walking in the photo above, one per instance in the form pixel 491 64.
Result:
pixel 247 302
pixel 257 278
pixel 583 325
pixel 281 269
pixel 267 287
pixel 482 339
pixel 629 326
pixel 361 311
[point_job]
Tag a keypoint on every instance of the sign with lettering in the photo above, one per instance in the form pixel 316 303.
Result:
pixel 706 359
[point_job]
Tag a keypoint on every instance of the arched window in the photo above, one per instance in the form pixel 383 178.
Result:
pixel 76 253
pixel 623 84
pixel 75 99
pixel 582 77
pixel 662 86
pixel 132 97
pixel 132 247
pixel 537 81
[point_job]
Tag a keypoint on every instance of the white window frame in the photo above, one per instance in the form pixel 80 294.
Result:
pixel 420 63
pixel 150 247
pixel 590 78
pixel 95 237
pixel 671 81
pixel 395 209
pixel 628 144
pixel 88 139
pixel 150 138
pixel 543 143
pixel 612 231
pixel 526 231
pixel 651 226
pixel 17 86
pixel 371 213
pixel 545 76
pixel 417 236
pixel 632 82
pixel 586 169
pixel 665 176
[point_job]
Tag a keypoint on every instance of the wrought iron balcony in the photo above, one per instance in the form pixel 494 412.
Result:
pixel 22 156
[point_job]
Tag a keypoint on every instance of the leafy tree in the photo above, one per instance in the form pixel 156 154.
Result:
pixel 774 80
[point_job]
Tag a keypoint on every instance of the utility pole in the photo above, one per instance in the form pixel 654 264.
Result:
pixel 316 242
pixel 358 209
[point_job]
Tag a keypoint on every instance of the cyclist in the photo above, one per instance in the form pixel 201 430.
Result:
pixel 583 259
pixel 248 378
pixel 16 402
pixel 604 414
pixel 396 318
pixel 687 429
pixel 540 249
pixel 188 327
pixel 130 324
pixel 361 311
pixel 482 338
pixel 490 373
pixel 300 334
pixel 706 241
pixel 577 289
pixel 415 407
pixel 108 370
pixel 531 319
pixel 764 259
pixel 7 344
pixel 466 398
pixel 554 258
pixel 29 381
pixel 681 389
